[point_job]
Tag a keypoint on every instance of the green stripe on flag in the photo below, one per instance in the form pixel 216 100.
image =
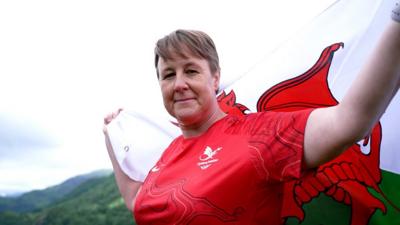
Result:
pixel 323 210
pixel 390 186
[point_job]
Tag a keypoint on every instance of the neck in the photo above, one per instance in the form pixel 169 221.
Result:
pixel 194 130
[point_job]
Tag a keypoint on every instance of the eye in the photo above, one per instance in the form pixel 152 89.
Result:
pixel 168 76
pixel 191 71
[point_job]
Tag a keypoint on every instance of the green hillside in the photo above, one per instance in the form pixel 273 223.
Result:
pixel 94 201
pixel 41 198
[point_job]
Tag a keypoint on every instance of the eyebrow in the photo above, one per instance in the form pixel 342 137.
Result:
pixel 191 64
pixel 188 64
pixel 166 70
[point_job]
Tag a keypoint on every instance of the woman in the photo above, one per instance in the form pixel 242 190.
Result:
pixel 225 169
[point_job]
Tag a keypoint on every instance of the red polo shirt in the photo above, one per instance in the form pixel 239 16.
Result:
pixel 231 174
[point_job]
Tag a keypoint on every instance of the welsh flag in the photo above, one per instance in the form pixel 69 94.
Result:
pixel 314 69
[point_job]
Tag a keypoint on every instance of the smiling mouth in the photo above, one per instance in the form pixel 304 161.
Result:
pixel 183 100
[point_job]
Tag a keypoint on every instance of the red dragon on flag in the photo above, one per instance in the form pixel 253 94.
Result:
pixel 345 179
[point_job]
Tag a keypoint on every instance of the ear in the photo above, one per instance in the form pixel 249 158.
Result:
pixel 216 78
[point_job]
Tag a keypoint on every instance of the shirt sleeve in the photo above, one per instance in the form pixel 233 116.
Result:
pixel 278 140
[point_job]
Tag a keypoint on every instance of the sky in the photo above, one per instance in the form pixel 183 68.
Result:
pixel 65 64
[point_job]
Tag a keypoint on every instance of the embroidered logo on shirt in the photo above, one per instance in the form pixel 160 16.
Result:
pixel 207 158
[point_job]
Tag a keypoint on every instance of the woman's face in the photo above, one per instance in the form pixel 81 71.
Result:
pixel 188 88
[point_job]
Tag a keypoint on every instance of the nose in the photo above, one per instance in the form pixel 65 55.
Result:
pixel 180 82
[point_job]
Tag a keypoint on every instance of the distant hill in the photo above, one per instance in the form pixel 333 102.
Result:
pixel 37 199
pixel 94 200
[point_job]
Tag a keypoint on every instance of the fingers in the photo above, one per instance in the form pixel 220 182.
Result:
pixel 111 116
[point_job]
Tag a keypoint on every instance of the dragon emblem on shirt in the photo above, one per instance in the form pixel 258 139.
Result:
pixel 207 158
pixel 208 153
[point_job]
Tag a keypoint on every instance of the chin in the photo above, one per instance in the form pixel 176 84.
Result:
pixel 187 119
